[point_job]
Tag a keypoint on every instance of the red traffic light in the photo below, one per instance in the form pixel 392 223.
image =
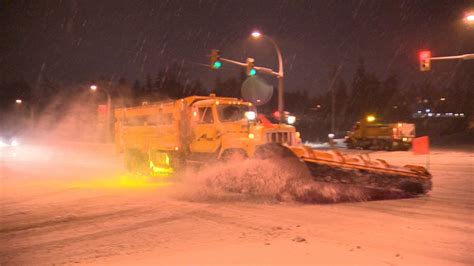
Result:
pixel 425 55
pixel 425 60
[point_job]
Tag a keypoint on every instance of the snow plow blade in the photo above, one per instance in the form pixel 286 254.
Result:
pixel 361 171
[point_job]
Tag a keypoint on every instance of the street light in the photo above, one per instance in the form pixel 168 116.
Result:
pixel 18 101
pixel 469 18
pixel 257 35
pixel 94 87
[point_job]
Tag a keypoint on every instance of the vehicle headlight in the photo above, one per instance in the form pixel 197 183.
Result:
pixel 405 139
pixel 250 115
pixel 15 143
pixel 291 119
pixel 3 143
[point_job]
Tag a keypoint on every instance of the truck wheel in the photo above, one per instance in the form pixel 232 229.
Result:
pixel 350 144
pixel 405 148
pixel 178 162
pixel 233 155
pixel 388 146
pixel 135 161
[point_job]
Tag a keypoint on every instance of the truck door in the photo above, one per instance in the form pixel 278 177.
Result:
pixel 205 139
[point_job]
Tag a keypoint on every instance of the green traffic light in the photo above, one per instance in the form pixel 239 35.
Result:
pixel 217 64
pixel 253 72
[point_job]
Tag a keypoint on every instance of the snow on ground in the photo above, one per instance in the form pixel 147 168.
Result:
pixel 74 203
pixel 337 143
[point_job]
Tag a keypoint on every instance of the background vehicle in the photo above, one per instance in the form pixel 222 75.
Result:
pixel 8 141
pixel 9 137
pixel 367 134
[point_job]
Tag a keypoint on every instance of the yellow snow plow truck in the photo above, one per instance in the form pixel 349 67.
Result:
pixel 368 134
pixel 161 138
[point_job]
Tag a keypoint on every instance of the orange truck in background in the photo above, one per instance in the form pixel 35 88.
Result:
pixel 368 134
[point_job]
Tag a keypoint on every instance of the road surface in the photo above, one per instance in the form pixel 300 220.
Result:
pixel 74 203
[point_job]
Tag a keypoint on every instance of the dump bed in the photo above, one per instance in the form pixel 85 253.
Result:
pixel 148 126
pixel 377 131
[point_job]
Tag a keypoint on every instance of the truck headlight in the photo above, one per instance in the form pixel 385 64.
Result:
pixel 15 143
pixel 291 119
pixel 3 143
pixel 250 115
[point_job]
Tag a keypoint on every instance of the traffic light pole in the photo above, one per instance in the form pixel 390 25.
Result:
pixel 268 71
pixel 264 70
pixel 233 62
pixel 462 57
pixel 281 105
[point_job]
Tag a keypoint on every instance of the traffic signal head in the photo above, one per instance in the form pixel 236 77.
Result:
pixel 425 61
pixel 216 59
pixel 251 71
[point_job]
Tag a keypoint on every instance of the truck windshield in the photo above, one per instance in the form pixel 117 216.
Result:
pixel 228 112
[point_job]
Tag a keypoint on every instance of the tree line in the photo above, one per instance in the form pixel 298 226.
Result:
pixel 343 103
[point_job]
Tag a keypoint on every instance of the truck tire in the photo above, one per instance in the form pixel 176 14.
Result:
pixel 135 161
pixel 405 147
pixel 350 144
pixel 178 161
pixel 233 155
pixel 388 146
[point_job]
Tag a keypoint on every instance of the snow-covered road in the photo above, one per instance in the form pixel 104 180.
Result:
pixel 75 204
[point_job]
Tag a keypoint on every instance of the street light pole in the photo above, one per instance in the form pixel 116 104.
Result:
pixel 109 107
pixel 280 75
pixel 109 114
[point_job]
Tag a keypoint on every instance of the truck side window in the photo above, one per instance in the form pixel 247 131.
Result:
pixel 205 115
pixel 231 112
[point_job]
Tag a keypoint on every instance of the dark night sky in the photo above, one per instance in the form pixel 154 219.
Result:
pixel 76 41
